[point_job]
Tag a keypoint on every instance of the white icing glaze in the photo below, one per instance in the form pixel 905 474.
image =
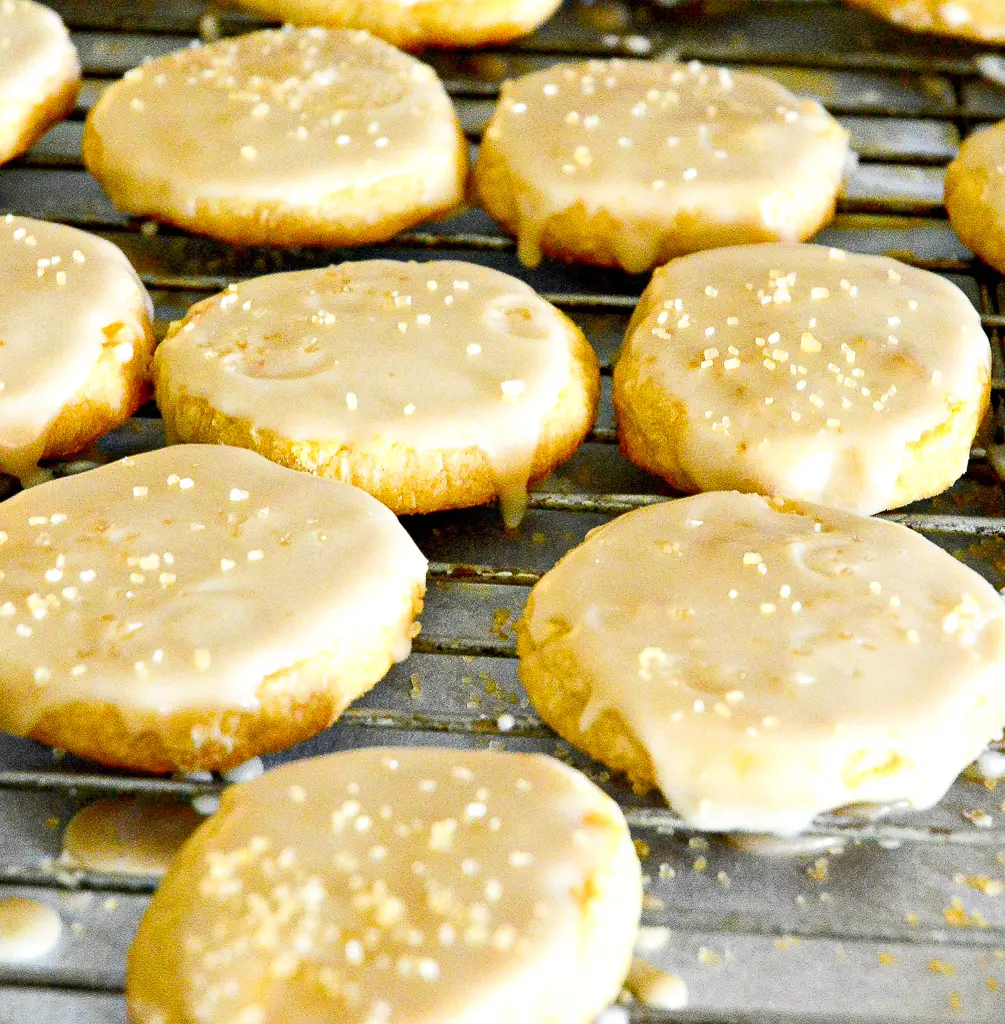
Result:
pixel 317 10
pixel 182 578
pixel 349 13
pixel 294 115
pixel 651 937
pixel 664 145
pixel 455 356
pixel 127 835
pixel 37 60
pixel 991 765
pixel 29 930
pixel 206 804
pixel 65 297
pixel 776 662
pixel 802 371
pixel 612 1015
pixel 409 885
pixel 251 769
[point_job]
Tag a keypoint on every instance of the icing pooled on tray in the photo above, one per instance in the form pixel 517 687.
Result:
pixel 29 930
pixel 127 835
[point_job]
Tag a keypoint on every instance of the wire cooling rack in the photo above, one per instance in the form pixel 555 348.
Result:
pixel 906 923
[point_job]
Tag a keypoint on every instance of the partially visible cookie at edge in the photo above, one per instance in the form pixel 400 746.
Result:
pixel 39 74
pixel 982 20
pixel 75 324
pixel 195 606
pixel 975 194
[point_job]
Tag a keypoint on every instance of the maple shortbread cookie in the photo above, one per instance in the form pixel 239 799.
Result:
pixel 762 661
pixel 417 23
pixel 431 385
pixel 405 885
pixel 39 74
pixel 803 371
pixel 193 607
pixel 983 20
pixel 284 137
pixel 629 163
pixel 75 341
pixel 975 194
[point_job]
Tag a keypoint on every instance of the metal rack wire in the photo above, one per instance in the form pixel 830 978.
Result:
pixel 901 925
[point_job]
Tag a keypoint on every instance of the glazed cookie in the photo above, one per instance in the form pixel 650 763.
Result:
pixel 405 885
pixel 762 661
pixel 983 20
pixel 629 163
pixel 430 385
pixel 39 74
pixel 975 194
pixel 76 341
pixel 803 371
pixel 193 607
pixel 287 137
pixel 417 23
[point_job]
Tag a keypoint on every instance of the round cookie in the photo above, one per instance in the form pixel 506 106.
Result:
pixel 629 163
pixel 76 341
pixel 975 194
pixel 417 23
pixel 762 661
pixel 803 371
pixel 286 137
pixel 983 20
pixel 39 74
pixel 467 385
pixel 193 607
pixel 406 885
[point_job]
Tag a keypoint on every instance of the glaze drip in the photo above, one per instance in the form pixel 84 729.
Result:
pixel 434 356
